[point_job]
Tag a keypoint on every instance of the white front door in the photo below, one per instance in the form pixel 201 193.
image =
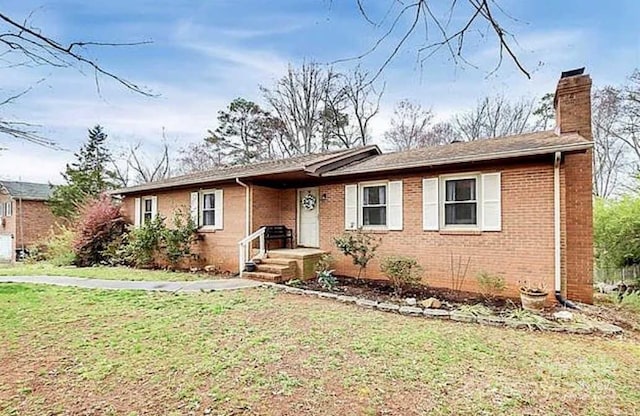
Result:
pixel 6 247
pixel 308 219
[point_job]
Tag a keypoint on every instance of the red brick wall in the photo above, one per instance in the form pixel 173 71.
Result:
pixel 36 222
pixel 219 247
pixel 272 206
pixel 523 250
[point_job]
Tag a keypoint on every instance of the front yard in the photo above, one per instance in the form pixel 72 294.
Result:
pixel 100 272
pixel 75 351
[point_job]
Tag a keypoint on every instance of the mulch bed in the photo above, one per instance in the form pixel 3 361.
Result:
pixel 381 291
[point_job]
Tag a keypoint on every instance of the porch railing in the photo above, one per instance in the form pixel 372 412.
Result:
pixel 245 245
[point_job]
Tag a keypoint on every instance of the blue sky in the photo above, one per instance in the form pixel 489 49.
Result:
pixel 205 53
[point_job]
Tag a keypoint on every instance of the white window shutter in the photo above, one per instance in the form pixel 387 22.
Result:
pixel 219 214
pixel 194 208
pixel 154 207
pixel 137 212
pixel 350 207
pixel 395 206
pixel 430 205
pixel 491 202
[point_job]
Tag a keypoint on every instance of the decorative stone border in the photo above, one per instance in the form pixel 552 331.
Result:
pixel 459 316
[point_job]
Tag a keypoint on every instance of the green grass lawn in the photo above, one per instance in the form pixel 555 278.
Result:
pixel 100 272
pixel 73 351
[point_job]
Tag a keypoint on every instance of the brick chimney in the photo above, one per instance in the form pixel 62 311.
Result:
pixel 572 103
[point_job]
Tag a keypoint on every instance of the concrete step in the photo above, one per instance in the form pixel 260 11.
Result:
pixel 286 272
pixel 263 276
pixel 280 261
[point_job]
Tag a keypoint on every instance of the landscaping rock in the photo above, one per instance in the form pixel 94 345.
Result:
pixel 580 329
pixel 491 320
pixel 514 323
pixel 312 293
pixel 436 313
pixel 411 301
pixel 552 327
pixel 410 310
pixel 294 290
pixel 210 268
pixel 366 303
pixel 431 303
pixel 327 295
pixel 462 317
pixel 388 307
pixel 608 329
pixel 563 316
pixel 347 299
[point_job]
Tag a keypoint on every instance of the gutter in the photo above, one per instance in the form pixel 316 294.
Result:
pixel 556 234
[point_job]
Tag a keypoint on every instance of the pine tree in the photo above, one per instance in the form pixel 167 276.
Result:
pixel 85 178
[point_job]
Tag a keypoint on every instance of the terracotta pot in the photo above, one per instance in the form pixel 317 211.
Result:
pixel 533 301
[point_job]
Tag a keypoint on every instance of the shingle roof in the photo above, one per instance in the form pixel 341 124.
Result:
pixel 28 190
pixel 309 163
pixel 481 150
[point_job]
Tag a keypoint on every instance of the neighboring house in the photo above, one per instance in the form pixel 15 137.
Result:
pixel 24 216
pixel 517 206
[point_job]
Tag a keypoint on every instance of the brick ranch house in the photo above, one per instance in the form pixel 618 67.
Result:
pixel 517 206
pixel 24 216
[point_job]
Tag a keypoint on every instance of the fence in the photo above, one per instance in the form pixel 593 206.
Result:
pixel 629 274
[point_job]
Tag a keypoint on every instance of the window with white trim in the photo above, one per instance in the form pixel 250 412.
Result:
pixel 147 210
pixel 8 209
pixel 460 202
pixel 208 208
pixel 373 205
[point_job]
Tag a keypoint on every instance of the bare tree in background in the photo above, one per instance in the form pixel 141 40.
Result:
pixel 437 30
pixel 130 166
pixel 608 158
pixel 409 126
pixel 363 100
pixel 23 46
pixel 629 131
pixel 495 117
pixel 201 156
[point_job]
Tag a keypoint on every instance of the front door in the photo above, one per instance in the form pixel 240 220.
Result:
pixel 308 219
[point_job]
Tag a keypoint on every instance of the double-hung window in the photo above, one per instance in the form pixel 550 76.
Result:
pixel 374 205
pixel 208 209
pixel 147 210
pixel 8 209
pixel 461 202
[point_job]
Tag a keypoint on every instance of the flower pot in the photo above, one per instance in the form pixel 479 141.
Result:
pixel 249 266
pixel 533 300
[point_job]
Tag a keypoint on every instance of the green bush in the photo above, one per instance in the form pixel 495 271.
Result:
pixel 490 285
pixel 57 248
pixel 358 245
pixel 144 242
pixel 177 241
pixel 402 271
pixel 325 274
pixel 617 231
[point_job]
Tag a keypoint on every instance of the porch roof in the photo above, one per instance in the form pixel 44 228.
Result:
pixel 311 164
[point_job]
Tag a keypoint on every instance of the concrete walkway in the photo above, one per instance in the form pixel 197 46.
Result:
pixel 194 286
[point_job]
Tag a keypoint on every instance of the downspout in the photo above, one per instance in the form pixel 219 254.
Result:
pixel 21 230
pixel 556 234
pixel 247 217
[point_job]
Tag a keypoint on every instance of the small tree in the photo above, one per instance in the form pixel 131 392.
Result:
pixel 360 246
pixel 99 224
pixel 402 271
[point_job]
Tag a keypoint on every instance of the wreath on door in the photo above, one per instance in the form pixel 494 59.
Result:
pixel 309 202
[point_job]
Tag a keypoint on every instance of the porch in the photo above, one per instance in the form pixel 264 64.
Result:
pixel 283 264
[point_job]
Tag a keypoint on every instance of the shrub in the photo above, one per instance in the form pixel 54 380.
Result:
pixel 490 285
pixel 360 246
pixel 402 271
pixel 99 224
pixel 325 274
pixel 56 248
pixel 177 241
pixel 144 242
